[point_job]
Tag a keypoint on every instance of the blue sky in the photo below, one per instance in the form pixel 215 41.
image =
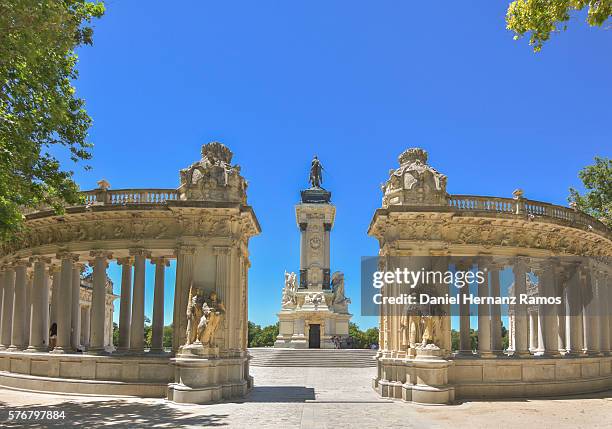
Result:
pixel 354 82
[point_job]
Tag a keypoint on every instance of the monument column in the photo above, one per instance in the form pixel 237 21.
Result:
pixel 465 342
pixel 54 273
pixel 589 304
pixel 303 281
pixel 184 276
pixel 158 304
pixel 64 313
pixel 574 306
pixel 604 311
pixel 222 285
pixel 125 307
pixel 521 348
pixel 40 305
pixel 7 306
pixel 98 300
pixel 75 299
pixel 19 306
pixel 533 330
pixel 548 312
pixel 484 318
pixel 138 299
pixel 496 322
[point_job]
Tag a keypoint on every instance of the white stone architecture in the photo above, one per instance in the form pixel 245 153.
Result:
pixel 568 251
pixel 314 311
pixel 205 225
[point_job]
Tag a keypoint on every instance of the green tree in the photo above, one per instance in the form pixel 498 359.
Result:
pixel 540 18
pixel 115 334
pixel 148 332
pixel 39 110
pixel 597 180
pixel 167 336
pixel 265 337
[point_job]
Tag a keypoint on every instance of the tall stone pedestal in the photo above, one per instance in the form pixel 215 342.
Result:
pixel 202 375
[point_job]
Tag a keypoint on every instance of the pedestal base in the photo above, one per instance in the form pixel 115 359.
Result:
pixel 202 375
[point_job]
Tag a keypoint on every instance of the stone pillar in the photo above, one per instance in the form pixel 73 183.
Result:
pixel 222 286
pixel 138 301
pixel 326 256
pixel 574 310
pixel 64 310
pixel 520 310
pixel 40 306
pixel 98 300
pixel 87 326
pixel 548 312
pixel 75 298
pixel 562 319
pixel 465 342
pixel 302 283
pixel 484 318
pixel 54 273
pixel 19 306
pixel 158 304
pixel 496 322
pixel 589 311
pixel 604 311
pixel 28 309
pixel 125 307
pixel 184 276
pixel 7 306
pixel 533 331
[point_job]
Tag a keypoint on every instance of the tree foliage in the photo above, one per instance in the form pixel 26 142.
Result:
pixel 541 18
pixel 597 180
pixel 265 337
pixel 39 110
pixel 363 339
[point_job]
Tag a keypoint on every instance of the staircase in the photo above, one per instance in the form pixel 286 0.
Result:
pixel 346 358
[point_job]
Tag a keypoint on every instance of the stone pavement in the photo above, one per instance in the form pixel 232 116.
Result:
pixel 310 398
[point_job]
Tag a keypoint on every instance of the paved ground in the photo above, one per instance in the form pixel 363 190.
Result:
pixel 311 398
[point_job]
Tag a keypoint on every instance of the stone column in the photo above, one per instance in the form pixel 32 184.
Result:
pixel 465 342
pixel 28 309
pixel 589 311
pixel 98 300
pixel 520 310
pixel 138 300
pixel 19 306
pixel 574 310
pixel 496 322
pixel 484 317
pixel 64 309
pixel 7 306
pixel 604 311
pixel 326 256
pixel 184 276
pixel 222 287
pixel 561 278
pixel 40 305
pixel 54 273
pixel 87 325
pixel 75 298
pixel 303 253
pixel 125 307
pixel 533 331
pixel 548 312
pixel 158 304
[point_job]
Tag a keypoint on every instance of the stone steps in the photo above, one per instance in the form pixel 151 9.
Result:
pixel 345 358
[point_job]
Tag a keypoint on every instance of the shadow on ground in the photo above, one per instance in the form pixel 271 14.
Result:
pixel 111 413
pixel 280 394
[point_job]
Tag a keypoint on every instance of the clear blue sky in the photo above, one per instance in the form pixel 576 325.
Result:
pixel 354 82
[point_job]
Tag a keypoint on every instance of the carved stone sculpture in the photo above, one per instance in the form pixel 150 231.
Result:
pixel 214 313
pixel 289 291
pixel 316 173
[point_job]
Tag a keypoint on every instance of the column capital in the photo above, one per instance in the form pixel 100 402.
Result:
pixel 67 255
pixel 520 263
pixel 126 260
pixel 101 254
pixel 39 258
pixel 21 263
pixel 184 249
pixel 139 251
pixel 222 250
pixel 160 260
pixel 54 268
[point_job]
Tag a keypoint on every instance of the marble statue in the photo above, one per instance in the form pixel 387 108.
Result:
pixel 289 291
pixel 214 313
pixel 195 314
pixel 338 289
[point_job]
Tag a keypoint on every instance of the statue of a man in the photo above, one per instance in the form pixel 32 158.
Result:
pixel 316 173
pixel 194 315
pixel 216 310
